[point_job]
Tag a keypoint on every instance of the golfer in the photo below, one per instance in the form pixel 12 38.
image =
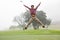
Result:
pixel 33 16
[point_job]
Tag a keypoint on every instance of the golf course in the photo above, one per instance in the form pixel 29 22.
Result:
pixel 41 34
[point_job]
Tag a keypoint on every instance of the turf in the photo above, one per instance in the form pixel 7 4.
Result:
pixel 42 34
pixel 30 37
pixel 31 32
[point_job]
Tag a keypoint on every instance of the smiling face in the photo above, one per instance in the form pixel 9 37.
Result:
pixel 32 6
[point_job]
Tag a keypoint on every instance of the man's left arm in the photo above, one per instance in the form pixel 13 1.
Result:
pixel 38 5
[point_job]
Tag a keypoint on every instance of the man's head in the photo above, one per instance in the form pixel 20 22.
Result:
pixel 32 6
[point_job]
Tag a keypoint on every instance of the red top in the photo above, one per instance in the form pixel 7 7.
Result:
pixel 32 11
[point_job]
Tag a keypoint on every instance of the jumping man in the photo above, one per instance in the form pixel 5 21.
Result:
pixel 33 16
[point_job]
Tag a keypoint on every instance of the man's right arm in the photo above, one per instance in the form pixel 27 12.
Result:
pixel 26 6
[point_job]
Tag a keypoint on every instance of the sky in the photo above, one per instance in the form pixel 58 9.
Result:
pixel 11 8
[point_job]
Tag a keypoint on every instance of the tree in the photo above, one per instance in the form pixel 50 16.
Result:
pixel 48 22
pixel 26 16
pixel 20 21
pixel 41 16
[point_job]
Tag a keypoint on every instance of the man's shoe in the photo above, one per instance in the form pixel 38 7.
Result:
pixel 43 26
pixel 25 28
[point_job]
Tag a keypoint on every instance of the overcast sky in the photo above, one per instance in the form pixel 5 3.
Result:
pixel 11 8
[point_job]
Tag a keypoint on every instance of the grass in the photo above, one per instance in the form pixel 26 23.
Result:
pixel 31 32
pixel 42 34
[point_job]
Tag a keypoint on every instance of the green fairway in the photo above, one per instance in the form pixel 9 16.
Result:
pixel 31 32
pixel 30 37
pixel 42 34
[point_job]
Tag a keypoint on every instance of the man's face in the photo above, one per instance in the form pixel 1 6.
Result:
pixel 32 6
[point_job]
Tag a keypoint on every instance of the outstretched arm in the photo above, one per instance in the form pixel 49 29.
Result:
pixel 26 6
pixel 38 5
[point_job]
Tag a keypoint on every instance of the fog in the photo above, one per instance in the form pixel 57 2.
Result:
pixel 11 8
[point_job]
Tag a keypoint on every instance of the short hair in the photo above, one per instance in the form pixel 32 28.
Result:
pixel 32 5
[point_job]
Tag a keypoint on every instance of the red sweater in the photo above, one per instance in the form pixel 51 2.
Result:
pixel 32 11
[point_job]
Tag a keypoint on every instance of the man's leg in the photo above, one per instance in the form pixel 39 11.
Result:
pixel 30 21
pixel 39 22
